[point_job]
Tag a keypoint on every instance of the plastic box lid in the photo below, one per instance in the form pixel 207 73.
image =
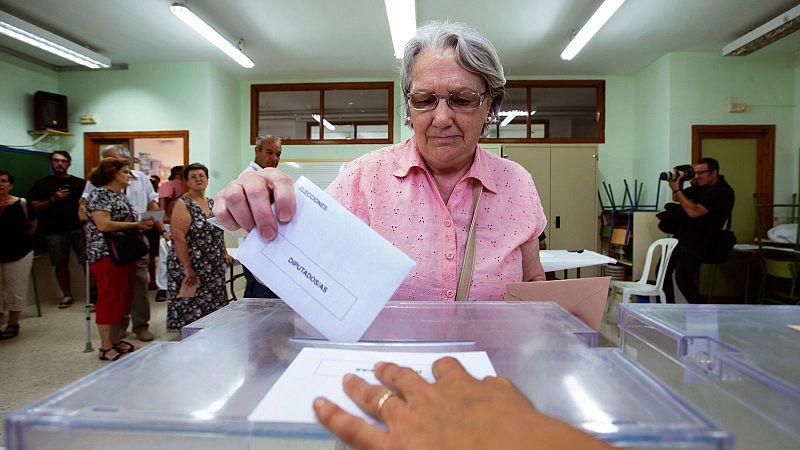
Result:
pixel 748 351
pixel 198 393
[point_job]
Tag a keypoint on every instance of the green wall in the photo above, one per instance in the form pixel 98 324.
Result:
pixel 648 115
pixel 19 80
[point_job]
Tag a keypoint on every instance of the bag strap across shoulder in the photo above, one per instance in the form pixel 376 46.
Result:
pixel 465 279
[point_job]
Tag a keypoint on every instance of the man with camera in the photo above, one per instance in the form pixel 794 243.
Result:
pixel 707 205
pixel 55 199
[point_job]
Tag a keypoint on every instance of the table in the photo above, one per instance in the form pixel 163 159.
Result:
pixel 553 260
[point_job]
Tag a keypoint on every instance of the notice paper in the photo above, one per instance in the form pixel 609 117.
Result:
pixel 328 265
pixel 156 214
pixel 318 372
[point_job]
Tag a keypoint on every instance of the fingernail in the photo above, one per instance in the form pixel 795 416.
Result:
pixel 320 402
pixel 268 232
pixel 348 377
pixel 284 215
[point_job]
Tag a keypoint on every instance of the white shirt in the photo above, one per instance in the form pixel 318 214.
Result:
pixel 252 167
pixel 140 192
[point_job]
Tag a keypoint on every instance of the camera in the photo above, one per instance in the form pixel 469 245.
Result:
pixel 683 171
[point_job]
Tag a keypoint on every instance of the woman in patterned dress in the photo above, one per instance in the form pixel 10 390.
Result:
pixel 109 212
pixel 198 257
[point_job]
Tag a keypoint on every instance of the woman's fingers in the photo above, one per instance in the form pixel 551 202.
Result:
pixel 351 430
pixel 368 397
pixel 246 202
pixel 447 367
pixel 406 382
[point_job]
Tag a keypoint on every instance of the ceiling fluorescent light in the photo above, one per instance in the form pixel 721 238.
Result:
pixel 777 28
pixel 324 122
pixel 592 26
pixel 402 23
pixel 33 35
pixel 203 29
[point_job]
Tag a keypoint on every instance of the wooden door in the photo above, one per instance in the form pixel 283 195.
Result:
pixel 737 159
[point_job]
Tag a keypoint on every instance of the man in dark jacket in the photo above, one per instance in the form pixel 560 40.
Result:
pixel 708 203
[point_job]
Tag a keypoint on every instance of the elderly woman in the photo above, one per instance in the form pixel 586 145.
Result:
pixel 109 213
pixel 17 224
pixel 198 256
pixel 421 194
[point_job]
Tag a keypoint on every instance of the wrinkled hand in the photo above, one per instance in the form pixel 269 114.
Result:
pixel 245 202
pixel 189 276
pixel 457 411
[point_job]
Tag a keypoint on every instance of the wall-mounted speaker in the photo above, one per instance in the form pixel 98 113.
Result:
pixel 50 111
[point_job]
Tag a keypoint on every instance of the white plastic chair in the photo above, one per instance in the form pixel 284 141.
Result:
pixel 642 287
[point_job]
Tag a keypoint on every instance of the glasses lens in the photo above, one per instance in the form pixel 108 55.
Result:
pixel 464 101
pixel 422 101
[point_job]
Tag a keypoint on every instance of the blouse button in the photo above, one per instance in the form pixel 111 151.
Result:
pixel 449 255
pixel 450 293
pixel 447 223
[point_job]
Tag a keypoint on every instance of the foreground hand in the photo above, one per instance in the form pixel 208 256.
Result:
pixel 145 225
pixel 246 202
pixel 676 184
pixel 457 411
pixel 228 259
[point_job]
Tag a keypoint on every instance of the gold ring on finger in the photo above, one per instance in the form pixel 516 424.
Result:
pixel 386 396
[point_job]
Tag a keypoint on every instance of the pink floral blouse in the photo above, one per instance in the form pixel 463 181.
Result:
pixel 392 191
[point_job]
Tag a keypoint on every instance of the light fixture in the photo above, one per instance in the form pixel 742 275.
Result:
pixel 324 122
pixel 598 19
pixel 203 29
pixel 510 115
pixel 33 35
pixel 402 16
pixel 777 28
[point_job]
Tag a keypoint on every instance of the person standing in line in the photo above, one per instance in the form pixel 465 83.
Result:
pixel 17 224
pixel 198 256
pixel 169 192
pixel 56 200
pixel 141 195
pixel 267 154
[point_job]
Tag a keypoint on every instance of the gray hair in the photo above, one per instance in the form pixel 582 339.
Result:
pixel 123 152
pixel 473 52
pixel 267 138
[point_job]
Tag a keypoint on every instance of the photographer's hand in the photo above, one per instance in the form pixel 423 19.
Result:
pixel 676 185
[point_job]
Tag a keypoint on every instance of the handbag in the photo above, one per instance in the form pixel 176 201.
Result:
pixel 127 246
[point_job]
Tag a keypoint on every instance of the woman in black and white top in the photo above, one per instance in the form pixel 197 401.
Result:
pixel 109 212
pixel 17 224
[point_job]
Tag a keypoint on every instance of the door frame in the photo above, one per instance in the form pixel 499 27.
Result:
pixel 91 144
pixel 765 156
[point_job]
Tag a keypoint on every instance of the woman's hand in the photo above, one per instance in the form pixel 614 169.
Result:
pixel 145 225
pixel 228 259
pixel 457 411
pixel 189 276
pixel 246 202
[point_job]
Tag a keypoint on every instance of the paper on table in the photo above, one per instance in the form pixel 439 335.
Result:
pixel 155 214
pixel 328 265
pixel 318 372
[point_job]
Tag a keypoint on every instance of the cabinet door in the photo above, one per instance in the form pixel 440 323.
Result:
pixel 536 160
pixel 573 197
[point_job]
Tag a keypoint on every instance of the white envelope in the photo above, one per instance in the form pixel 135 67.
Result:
pixel 328 265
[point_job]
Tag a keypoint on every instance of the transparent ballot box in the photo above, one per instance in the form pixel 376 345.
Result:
pixel 199 392
pixel 738 363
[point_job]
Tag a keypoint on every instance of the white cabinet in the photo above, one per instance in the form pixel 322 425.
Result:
pixel 566 178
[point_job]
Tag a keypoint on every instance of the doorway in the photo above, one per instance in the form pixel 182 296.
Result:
pixel 154 152
pixel 746 155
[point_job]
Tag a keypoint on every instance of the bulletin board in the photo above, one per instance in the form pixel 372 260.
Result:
pixel 320 171
pixel 27 166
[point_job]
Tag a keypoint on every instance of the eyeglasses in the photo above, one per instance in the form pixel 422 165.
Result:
pixel 700 172
pixel 458 101
pixel 60 161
